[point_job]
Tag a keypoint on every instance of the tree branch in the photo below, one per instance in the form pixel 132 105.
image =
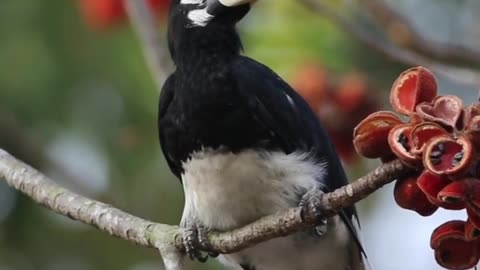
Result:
pixel 462 75
pixel 400 30
pixel 143 22
pixel 168 239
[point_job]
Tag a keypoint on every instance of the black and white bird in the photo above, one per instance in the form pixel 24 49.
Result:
pixel 244 145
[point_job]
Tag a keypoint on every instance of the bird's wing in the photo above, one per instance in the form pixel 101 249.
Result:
pixel 294 127
pixel 166 97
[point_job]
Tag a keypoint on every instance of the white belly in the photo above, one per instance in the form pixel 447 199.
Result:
pixel 226 191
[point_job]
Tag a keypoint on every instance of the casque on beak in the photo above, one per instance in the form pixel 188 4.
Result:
pixel 215 7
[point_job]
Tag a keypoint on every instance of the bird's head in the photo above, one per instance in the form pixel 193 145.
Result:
pixel 199 22
pixel 204 13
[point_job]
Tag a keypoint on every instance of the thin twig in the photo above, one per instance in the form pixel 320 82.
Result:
pixel 154 50
pixel 461 75
pixel 167 238
pixel 388 19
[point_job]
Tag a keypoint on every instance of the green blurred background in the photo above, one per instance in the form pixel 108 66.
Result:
pixel 77 101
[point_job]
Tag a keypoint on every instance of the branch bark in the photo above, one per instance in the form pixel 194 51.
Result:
pixel 168 239
pixel 156 55
pixel 401 31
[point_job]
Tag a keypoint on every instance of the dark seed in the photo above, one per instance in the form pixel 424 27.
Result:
pixel 435 161
pixel 457 158
pixel 450 199
pixel 441 147
pixel 403 140
pixel 436 154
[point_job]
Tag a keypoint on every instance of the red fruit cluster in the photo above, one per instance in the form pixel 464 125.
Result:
pixel 104 14
pixel 440 139
pixel 340 103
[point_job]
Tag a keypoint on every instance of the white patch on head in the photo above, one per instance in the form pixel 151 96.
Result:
pixel 200 17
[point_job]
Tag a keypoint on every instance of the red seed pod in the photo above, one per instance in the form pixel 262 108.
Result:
pixel 445 110
pixel 455 193
pixel 423 133
pixel 400 142
pixel 452 250
pixel 472 233
pixel 469 113
pixel 472 131
pixel 370 136
pixel 446 156
pixel 473 216
pixel 431 185
pixel 408 195
pixel 415 118
pixel 411 88
pixel 472 194
pixel 453 228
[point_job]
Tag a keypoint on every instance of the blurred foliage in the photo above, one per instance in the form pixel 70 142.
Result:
pixel 82 99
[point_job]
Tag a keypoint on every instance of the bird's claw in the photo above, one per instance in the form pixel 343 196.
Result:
pixel 311 204
pixel 195 240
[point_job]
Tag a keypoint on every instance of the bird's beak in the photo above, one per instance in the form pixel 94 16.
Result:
pixel 232 3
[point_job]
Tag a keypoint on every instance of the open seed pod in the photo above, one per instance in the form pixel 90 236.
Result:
pixel 423 133
pixel 469 113
pixel 472 233
pixel 445 110
pixel 400 142
pixel 371 135
pixel 473 217
pixel 474 124
pixel 408 195
pixel 452 249
pixel 432 184
pixel 472 131
pixel 411 88
pixel 446 156
pixel 472 194
pixel 454 194
pixel 414 118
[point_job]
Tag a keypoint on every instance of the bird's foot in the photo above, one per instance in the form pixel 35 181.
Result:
pixel 195 240
pixel 311 204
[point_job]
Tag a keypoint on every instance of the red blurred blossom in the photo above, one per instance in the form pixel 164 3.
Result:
pixel 311 82
pixel 105 14
pixel 340 103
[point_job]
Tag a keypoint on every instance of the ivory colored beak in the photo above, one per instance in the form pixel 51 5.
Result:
pixel 232 3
